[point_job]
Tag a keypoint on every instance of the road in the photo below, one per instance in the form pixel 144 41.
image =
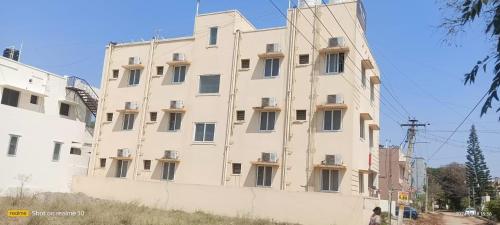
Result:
pixel 450 218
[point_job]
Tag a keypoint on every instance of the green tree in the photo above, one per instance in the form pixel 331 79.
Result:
pixel 478 174
pixel 486 11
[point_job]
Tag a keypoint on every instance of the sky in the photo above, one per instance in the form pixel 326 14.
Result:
pixel 422 75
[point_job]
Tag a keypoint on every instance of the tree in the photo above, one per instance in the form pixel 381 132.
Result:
pixel 447 185
pixel 478 174
pixel 467 12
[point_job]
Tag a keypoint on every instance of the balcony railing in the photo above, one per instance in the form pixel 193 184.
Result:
pixel 373 192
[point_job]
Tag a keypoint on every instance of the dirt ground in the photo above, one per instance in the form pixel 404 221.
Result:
pixel 446 218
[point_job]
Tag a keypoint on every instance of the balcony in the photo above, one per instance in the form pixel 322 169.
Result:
pixel 373 192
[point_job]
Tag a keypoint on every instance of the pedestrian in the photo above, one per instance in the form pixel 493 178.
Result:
pixel 376 219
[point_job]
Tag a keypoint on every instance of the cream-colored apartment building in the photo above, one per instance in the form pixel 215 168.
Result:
pixel 288 108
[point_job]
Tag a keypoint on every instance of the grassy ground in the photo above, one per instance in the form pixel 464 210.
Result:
pixel 102 212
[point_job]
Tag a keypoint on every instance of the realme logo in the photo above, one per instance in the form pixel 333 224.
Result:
pixel 18 213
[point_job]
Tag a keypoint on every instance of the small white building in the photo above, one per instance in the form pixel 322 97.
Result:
pixel 45 128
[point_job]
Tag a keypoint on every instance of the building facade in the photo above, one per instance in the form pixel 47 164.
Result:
pixel 286 108
pixel 392 173
pixel 45 134
pixel 418 175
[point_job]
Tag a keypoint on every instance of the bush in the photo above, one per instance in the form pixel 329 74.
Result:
pixel 385 218
pixel 494 207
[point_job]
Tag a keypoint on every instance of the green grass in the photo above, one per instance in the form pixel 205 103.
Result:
pixel 103 212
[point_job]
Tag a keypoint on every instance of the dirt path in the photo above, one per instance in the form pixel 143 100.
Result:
pixel 450 218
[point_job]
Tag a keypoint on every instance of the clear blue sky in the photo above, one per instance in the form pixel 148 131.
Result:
pixel 424 74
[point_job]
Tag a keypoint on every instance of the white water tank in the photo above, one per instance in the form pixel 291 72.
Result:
pixel 304 3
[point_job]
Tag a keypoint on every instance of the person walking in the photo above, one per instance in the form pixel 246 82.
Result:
pixel 376 219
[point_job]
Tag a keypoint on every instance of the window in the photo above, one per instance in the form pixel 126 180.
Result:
pixel 330 180
pixel 179 74
pixel 301 115
pixel 64 109
pixel 75 151
pixel 363 77
pixel 361 128
pixel 264 176
pixel 168 171
pixel 128 121
pixel 147 164
pixel 174 122
pixel 121 168
pixel 213 36
pixel 134 77
pixel 102 162
pixel 272 68
pixel 109 117
pixel 236 168
pixel 372 92
pixel 209 84
pixel 204 132
pixel 57 151
pixel 34 99
pixel 115 73
pixel 304 59
pixel 370 138
pixel 335 63
pixel 240 115
pixel 152 116
pixel 361 183
pixel 332 120
pixel 245 63
pixel 159 70
pixel 267 120
pixel 14 139
pixel 10 97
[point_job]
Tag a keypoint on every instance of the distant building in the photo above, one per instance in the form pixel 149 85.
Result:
pixel 392 174
pixel 419 174
pixel 46 127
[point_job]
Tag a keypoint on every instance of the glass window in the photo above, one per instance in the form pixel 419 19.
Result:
pixel 362 128
pixel 179 74
pixel 332 120
pixel 301 115
pixel 168 171
pixel 335 63
pixel 245 63
pixel 75 151
pixel 128 121
pixel 14 139
pixel 102 162
pixel 361 183
pixel 264 176
pixel 372 92
pixel 134 77
pixel 174 122
pixel 209 84
pixel 204 132
pixel 159 70
pixel 240 115
pixel 330 180
pixel 272 68
pixel 153 116
pixel 34 99
pixel 147 164
pixel 236 168
pixel 304 59
pixel 115 73
pixel 213 36
pixel 64 109
pixel 57 151
pixel 267 120
pixel 363 77
pixel 121 168
pixel 109 117
pixel 10 97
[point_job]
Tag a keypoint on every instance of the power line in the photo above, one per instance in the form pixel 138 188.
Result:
pixel 458 127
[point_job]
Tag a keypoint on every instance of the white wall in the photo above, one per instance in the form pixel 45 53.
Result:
pixel 39 126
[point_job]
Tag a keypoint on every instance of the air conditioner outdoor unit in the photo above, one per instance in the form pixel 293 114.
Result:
pixel 336 42
pixel 333 160
pixel 134 60
pixel 178 104
pixel 169 154
pixel 269 157
pixel 334 99
pixel 268 102
pixel 178 57
pixel 131 105
pixel 273 48
pixel 123 153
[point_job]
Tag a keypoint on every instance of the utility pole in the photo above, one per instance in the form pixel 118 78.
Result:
pixel 412 125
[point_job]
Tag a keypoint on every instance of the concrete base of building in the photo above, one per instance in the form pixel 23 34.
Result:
pixel 285 206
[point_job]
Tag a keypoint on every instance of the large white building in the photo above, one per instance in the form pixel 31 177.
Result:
pixel 46 128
